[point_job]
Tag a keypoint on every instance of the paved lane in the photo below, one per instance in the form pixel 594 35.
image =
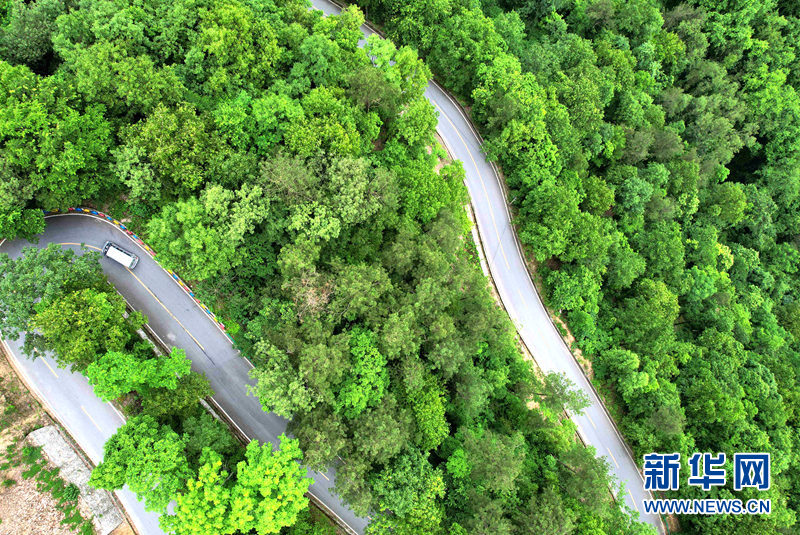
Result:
pixel 178 321
pixel 517 291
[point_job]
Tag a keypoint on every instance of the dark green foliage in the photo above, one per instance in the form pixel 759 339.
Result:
pixel 311 524
pixel 45 274
pixel 26 29
pixel 297 179
pixel 204 431
pixel 652 149
pixel 180 401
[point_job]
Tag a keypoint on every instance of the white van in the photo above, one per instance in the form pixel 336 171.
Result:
pixel 117 253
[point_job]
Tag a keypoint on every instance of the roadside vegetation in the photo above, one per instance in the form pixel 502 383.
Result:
pixel 170 448
pixel 48 480
pixel 294 178
pixel 651 149
pixel 32 494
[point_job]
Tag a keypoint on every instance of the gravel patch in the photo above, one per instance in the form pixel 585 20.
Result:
pixel 94 503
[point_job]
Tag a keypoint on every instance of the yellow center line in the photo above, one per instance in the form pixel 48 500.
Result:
pixel 633 500
pixel 491 212
pixel 612 457
pixel 165 308
pixel 79 244
pixel 152 294
pixel 590 420
pixel 323 475
pixel 90 418
pixel 49 367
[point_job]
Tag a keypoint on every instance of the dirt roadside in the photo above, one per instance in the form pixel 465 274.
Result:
pixel 24 508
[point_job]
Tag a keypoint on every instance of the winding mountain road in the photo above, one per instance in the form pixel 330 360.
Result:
pixel 508 269
pixel 178 321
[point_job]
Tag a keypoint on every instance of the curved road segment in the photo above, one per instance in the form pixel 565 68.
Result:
pixel 176 318
pixel 508 269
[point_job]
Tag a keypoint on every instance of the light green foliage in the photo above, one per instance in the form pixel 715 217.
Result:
pixel 484 448
pixel 83 324
pixel 278 387
pixel 56 151
pixel 562 394
pixel 408 488
pixel 270 488
pixel 176 145
pixel 148 458
pixel 232 47
pixel 458 464
pixel 367 380
pixel 328 124
pixel 133 84
pixel 429 410
pixel 115 373
pixel 202 234
pixel 205 506
pixel 551 212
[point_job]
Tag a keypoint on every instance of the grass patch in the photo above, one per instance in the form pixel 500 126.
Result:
pixel 48 481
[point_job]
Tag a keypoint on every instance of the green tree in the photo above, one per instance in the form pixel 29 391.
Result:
pixel 25 38
pixel 204 431
pixel 562 394
pixel 83 324
pixel 270 488
pixel 428 405
pixel 147 457
pixel 727 204
pixel 179 401
pixel 205 506
pixel 128 85
pixel 60 149
pixel 176 144
pixel 231 48
pixel 311 525
pixel 368 378
pixel 116 373
pixel 408 485
pixel 279 387
pixel 199 236
pixel 46 274
pixel 647 321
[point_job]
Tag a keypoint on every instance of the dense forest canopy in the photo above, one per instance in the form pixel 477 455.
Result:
pixel 296 180
pixel 652 152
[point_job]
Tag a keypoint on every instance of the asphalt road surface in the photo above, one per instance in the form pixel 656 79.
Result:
pixel 176 318
pixel 89 420
pixel 519 296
